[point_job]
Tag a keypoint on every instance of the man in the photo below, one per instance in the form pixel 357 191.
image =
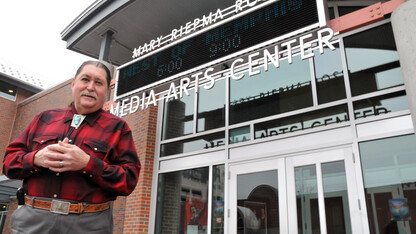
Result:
pixel 73 162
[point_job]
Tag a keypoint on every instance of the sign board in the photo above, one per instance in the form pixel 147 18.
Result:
pixel 267 24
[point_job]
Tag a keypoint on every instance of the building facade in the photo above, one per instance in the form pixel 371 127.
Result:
pixel 279 117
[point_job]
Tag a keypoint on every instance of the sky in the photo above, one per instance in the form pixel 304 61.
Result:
pixel 30 37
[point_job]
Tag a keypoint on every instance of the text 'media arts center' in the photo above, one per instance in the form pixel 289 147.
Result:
pixel 258 116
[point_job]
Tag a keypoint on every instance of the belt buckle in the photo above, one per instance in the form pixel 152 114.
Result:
pixel 60 207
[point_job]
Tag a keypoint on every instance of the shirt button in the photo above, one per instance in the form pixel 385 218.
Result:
pixel 57 174
pixel 84 172
pixel 95 149
pixel 31 172
pixel 55 195
pixel 70 140
pixel 90 176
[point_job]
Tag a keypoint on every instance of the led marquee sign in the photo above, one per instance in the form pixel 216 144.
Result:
pixel 217 44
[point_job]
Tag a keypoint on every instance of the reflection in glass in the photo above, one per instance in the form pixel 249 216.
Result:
pixel 182 201
pixel 373 61
pixel 331 13
pixel 211 107
pixel 218 200
pixel 381 105
pixel 239 135
pixel 194 144
pixel 279 90
pixel 178 117
pixel 307 199
pixel 336 198
pixel 389 167
pixel 301 122
pixel 257 203
pixel 329 75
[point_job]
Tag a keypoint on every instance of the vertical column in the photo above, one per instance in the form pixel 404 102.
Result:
pixel 404 27
pixel 105 45
pixel 137 206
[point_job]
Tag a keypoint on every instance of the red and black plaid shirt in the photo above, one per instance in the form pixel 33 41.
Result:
pixel 113 168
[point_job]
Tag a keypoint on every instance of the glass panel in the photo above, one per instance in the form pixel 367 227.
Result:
pixel 193 144
pixel 389 167
pixel 211 107
pixel 218 200
pixel 182 202
pixel 239 135
pixel 307 199
pixel 257 203
pixel 279 90
pixel 8 91
pixel 373 62
pixel 336 198
pixel 329 75
pixel 380 105
pixel 178 117
pixel 331 12
pixel 301 122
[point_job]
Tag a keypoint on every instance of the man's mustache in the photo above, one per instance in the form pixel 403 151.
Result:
pixel 89 94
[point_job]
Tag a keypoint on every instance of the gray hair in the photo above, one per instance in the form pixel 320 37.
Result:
pixel 99 64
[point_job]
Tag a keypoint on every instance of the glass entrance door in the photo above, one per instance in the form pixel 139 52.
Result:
pixel 310 193
pixel 322 187
pixel 258 198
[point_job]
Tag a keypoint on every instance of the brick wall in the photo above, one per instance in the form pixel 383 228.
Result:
pixel 143 126
pixel 7 116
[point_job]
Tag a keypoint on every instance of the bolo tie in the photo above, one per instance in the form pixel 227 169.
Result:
pixel 76 122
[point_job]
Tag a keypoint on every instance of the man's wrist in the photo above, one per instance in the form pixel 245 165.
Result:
pixel 34 160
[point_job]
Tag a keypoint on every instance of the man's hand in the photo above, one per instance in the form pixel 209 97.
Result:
pixel 62 157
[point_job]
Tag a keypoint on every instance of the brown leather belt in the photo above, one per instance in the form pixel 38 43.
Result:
pixel 65 207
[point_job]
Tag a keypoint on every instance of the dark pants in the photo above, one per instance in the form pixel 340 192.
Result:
pixel 32 220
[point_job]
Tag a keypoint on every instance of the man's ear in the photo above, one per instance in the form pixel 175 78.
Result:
pixel 72 83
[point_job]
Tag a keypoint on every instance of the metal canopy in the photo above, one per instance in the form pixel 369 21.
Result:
pixel 136 22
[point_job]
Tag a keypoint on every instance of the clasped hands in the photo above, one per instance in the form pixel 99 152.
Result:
pixel 61 157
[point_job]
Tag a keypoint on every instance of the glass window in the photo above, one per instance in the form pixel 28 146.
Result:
pixel 240 135
pixel 329 75
pixel 389 167
pixel 279 90
pixel 373 62
pixel 381 105
pixel 8 91
pixel 178 117
pixel 182 201
pixel 218 179
pixel 211 107
pixel 331 13
pixel 307 198
pixel 257 203
pixel 302 122
pixel 194 144
pixel 337 213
